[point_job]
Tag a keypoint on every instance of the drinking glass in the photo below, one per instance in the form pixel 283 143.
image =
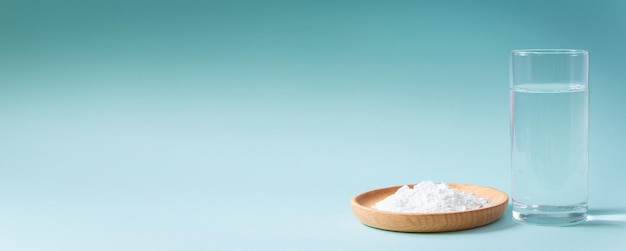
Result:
pixel 549 102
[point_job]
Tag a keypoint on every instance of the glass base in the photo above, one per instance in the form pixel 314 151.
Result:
pixel 549 215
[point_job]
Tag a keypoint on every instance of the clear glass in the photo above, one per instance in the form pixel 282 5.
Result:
pixel 549 101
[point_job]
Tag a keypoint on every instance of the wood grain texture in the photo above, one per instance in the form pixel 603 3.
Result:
pixel 429 222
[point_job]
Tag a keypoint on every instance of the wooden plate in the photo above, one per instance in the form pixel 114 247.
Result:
pixel 429 222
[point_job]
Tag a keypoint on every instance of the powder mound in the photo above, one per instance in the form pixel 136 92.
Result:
pixel 430 197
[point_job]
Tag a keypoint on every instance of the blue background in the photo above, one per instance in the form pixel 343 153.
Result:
pixel 249 125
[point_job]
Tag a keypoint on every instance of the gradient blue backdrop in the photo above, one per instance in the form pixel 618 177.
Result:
pixel 248 125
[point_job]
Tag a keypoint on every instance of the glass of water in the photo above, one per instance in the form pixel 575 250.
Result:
pixel 549 101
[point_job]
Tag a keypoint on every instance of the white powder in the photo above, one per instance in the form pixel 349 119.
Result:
pixel 430 197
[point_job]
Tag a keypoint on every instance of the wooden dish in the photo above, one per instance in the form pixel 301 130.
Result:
pixel 429 222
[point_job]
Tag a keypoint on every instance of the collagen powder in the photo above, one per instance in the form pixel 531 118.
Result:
pixel 430 197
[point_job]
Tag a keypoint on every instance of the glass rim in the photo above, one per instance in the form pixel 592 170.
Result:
pixel 524 52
